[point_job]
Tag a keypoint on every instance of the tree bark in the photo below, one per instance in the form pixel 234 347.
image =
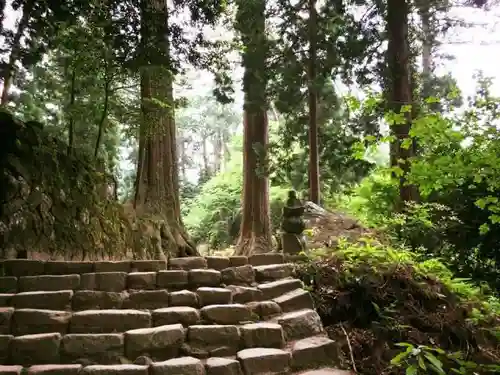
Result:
pixel 400 93
pixel 314 187
pixel 71 124
pixel 255 230
pixel 157 185
pixel 8 74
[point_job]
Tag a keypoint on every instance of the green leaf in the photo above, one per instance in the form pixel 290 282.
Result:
pixel 411 370
pixel 435 362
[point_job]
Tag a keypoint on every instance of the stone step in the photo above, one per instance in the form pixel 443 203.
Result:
pixel 273 272
pixel 297 299
pixel 266 259
pixel 313 352
pixel 264 361
pixel 187 263
pixel 108 321
pixel 300 324
pixel 264 335
pixel 54 300
pixel 29 267
pixel 277 288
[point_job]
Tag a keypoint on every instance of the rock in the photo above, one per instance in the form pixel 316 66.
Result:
pixel 54 300
pixel 32 321
pixel 49 283
pixel 113 266
pixel 242 275
pixel 300 324
pixel 107 321
pixel 226 314
pixel 23 267
pixel 292 243
pixel 104 348
pixel 97 300
pixel 115 370
pixel 178 366
pixel 273 272
pixel 183 298
pixel 264 335
pixel 11 370
pixel 67 268
pixel 264 361
pixel 143 361
pixel 221 339
pixel 264 309
pixel 141 280
pixel 105 281
pixel 217 263
pixel 172 279
pixel 222 366
pixel 35 349
pixel 295 300
pixel 266 259
pixel 159 343
pixel 237 261
pixel 6 314
pixel 173 315
pixel 277 288
pixel 214 296
pixel 5 299
pixel 8 284
pixel 187 263
pixel 313 352
pixel 242 294
pixel 54 370
pixel 4 347
pixel 203 277
pixel 148 265
pixel 146 299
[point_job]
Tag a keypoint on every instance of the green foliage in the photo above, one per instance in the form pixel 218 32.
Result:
pixel 423 359
pixel 457 174
pixel 211 213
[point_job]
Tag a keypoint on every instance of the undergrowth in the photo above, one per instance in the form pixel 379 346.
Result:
pixel 372 297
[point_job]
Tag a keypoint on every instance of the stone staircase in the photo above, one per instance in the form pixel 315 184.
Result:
pixel 201 316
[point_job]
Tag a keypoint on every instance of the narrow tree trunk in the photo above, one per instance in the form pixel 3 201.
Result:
pixel 71 124
pixel 255 230
pixel 314 188
pixel 8 74
pixel 182 158
pixel 157 185
pixel 218 144
pixel 206 162
pixel 225 144
pixel 400 93
pixel 104 115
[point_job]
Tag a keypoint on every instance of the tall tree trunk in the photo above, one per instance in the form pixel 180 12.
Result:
pixel 314 188
pixel 157 186
pixel 400 93
pixel 225 144
pixel 255 230
pixel 218 144
pixel 182 157
pixel 206 163
pixel 104 114
pixel 71 124
pixel 15 50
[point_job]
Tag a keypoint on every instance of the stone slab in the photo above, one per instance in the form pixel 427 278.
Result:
pixel 108 321
pixel 49 283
